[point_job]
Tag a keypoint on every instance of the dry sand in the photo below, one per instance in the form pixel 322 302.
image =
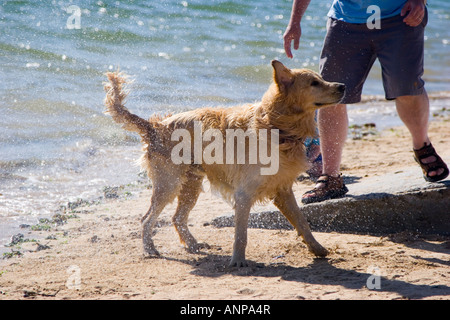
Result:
pixel 98 253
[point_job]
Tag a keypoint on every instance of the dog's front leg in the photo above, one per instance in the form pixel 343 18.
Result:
pixel 285 201
pixel 242 211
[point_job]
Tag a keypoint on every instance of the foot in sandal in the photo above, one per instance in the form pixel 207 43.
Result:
pixel 327 187
pixel 433 167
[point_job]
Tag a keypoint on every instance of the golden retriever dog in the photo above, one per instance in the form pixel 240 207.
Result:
pixel 181 149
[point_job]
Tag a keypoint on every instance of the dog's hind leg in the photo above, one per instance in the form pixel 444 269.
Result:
pixel 285 201
pixel 187 199
pixel 165 190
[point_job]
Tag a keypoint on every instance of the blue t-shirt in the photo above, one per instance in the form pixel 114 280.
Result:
pixel 355 11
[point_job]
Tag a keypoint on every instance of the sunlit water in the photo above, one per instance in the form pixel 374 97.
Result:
pixel 55 143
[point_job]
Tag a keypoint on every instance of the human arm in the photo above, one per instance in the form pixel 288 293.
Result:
pixel 293 30
pixel 415 10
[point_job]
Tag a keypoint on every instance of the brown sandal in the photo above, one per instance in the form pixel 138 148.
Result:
pixel 334 188
pixel 425 152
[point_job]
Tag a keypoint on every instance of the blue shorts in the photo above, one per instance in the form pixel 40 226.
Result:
pixel 350 49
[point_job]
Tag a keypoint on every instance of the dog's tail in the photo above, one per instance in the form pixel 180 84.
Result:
pixel 115 106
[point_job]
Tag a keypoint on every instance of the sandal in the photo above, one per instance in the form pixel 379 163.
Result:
pixel 333 188
pixel 315 171
pixel 425 152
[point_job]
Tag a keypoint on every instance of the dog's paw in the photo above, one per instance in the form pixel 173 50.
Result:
pixel 195 248
pixel 150 251
pixel 238 263
pixel 319 251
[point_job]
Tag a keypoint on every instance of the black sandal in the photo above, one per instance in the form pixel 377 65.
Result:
pixel 425 152
pixel 334 188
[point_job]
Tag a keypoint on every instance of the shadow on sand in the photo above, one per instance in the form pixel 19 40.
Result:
pixel 320 272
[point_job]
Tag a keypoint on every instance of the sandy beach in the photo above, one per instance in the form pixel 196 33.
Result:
pixel 57 146
pixel 95 252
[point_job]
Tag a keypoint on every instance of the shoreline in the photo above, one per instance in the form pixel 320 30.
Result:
pixel 103 241
pixel 11 223
pixel 132 189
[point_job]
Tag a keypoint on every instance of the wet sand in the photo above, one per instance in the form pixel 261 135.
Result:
pixel 96 253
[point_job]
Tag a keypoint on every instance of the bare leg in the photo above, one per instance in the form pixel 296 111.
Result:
pixel 414 112
pixel 285 201
pixel 333 124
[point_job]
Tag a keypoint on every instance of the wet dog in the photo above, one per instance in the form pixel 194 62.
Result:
pixel 180 150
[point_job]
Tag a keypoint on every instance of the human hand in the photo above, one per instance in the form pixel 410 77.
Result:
pixel 416 9
pixel 293 32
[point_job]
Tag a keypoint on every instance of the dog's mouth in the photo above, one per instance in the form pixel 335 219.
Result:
pixel 321 104
pixel 338 95
pixel 331 103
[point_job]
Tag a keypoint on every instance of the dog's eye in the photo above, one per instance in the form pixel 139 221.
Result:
pixel 315 83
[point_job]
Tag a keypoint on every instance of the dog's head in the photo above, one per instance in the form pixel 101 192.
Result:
pixel 304 90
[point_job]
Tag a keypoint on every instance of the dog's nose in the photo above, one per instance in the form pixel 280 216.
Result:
pixel 341 88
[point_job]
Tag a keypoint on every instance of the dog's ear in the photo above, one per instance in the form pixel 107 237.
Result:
pixel 282 76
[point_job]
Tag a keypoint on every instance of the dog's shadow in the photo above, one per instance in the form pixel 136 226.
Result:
pixel 320 272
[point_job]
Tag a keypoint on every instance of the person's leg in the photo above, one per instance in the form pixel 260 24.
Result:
pixel 400 50
pixel 333 124
pixel 347 57
pixel 314 156
pixel 414 112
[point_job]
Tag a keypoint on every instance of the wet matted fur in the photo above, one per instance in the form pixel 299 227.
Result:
pixel 288 106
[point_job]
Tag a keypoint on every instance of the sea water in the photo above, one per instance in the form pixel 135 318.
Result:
pixel 56 145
